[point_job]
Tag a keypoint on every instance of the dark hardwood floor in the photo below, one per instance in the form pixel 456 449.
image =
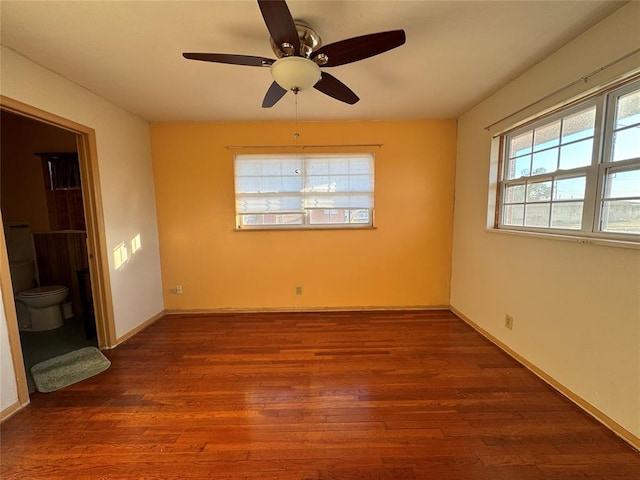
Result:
pixel 382 395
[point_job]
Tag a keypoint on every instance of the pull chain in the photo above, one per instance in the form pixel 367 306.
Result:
pixel 296 134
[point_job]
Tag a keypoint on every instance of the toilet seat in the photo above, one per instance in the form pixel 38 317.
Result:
pixel 45 291
pixel 39 309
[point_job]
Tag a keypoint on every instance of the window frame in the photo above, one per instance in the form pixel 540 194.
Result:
pixel 595 173
pixel 306 221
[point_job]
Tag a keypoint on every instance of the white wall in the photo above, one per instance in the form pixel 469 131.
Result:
pixel 8 387
pixel 576 306
pixel 126 180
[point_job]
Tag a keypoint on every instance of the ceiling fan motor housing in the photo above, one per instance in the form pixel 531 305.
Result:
pixel 310 41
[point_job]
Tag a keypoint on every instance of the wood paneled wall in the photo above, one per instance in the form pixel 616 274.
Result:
pixel 60 255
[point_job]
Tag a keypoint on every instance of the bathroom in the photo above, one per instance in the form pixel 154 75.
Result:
pixel 43 216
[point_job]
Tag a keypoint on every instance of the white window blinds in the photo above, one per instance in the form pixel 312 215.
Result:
pixel 308 189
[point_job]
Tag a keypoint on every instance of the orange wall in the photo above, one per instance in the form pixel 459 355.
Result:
pixel 404 262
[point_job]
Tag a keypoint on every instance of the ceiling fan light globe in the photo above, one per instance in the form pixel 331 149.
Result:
pixel 295 73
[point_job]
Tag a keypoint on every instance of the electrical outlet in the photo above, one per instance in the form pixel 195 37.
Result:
pixel 298 290
pixel 178 289
pixel 508 322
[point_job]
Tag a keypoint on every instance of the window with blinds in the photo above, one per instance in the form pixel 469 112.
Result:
pixel 304 190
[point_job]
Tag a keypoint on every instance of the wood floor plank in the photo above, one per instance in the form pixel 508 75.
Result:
pixel 310 396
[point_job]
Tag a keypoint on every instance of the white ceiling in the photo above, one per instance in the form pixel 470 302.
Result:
pixel 129 52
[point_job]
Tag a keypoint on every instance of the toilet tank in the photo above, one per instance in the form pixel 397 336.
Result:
pixel 21 275
pixel 19 242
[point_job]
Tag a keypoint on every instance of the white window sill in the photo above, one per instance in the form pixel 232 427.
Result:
pixel 606 242
pixel 300 229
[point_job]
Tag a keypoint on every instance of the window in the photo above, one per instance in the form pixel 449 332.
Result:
pixel 62 185
pixel 304 191
pixel 576 171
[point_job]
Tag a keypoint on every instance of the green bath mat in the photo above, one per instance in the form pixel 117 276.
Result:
pixel 64 370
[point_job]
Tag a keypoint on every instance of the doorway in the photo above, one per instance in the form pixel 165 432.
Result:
pixel 45 234
pixel 68 233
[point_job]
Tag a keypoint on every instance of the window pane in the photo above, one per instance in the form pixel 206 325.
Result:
pixel 339 183
pixel 521 144
pixel 545 162
pixel 519 167
pixel 268 184
pixel 622 184
pixel 626 144
pixel 569 188
pixel 514 194
pixel 320 183
pixel 328 216
pixel 248 184
pixel 251 219
pixel 360 165
pixel 547 136
pixel 360 183
pixel 263 165
pixel 538 191
pixel 576 155
pixel 513 215
pixel 579 126
pixel 332 165
pixel 628 110
pixel 339 216
pixel 259 204
pixel 537 215
pixel 567 215
pixel 272 219
pixel 621 216
pixel 360 216
pixel 319 200
pixel 318 166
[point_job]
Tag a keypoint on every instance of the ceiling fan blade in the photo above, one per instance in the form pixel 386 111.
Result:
pixel 232 59
pixel 358 48
pixel 330 85
pixel 280 23
pixel 275 93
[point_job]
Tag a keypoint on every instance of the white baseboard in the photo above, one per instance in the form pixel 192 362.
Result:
pixel 11 410
pixel 139 328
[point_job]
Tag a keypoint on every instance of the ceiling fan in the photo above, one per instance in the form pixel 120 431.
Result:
pixel 301 54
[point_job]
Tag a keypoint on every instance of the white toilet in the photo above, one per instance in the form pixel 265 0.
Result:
pixel 38 308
